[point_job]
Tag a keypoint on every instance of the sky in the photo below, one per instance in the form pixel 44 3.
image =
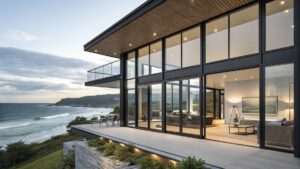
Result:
pixel 41 47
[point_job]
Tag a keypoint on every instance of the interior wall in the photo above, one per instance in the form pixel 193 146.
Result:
pixel 235 90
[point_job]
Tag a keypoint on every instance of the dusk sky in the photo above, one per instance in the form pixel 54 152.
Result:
pixel 41 46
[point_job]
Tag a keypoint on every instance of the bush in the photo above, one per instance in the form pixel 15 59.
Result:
pixel 109 148
pixel 68 162
pixel 98 143
pixel 18 152
pixel 191 163
pixel 78 120
pixel 147 163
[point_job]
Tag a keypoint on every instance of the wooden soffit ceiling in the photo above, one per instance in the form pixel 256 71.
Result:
pixel 162 17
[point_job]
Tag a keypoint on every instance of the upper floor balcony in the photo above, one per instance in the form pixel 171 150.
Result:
pixel 104 76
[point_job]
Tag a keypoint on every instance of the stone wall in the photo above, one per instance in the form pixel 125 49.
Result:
pixel 89 158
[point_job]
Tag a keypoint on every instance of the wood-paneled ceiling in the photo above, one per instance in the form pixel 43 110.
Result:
pixel 163 19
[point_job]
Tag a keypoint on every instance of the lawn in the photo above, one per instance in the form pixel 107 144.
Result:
pixel 49 161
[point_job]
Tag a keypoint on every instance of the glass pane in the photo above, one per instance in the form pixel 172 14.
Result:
pixel 172 106
pixel 131 84
pixel 190 106
pixel 156 57
pixel 131 65
pixel 143 106
pixel 131 108
pixel 279 24
pixel 239 119
pixel 143 61
pixel 156 113
pixel 244 32
pixel 217 40
pixel 173 52
pixel 191 47
pixel 279 106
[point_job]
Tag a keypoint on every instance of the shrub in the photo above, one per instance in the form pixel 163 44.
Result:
pixel 191 163
pixel 68 162
pixel 78 120
pixel 109 149
pixel 147 163
pixel 97 143
pixel 18 152
pixel 121 153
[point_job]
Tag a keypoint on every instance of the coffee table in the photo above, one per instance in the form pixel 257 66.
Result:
pixel 244 127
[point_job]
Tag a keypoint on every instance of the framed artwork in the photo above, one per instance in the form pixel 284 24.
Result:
pixel 250 105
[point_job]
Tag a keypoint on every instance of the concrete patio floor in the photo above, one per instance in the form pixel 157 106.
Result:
pixel 214 153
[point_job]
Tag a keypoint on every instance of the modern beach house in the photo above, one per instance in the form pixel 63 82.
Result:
pixel 221 70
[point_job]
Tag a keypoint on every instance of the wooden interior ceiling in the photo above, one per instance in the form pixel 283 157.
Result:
pixel 167 18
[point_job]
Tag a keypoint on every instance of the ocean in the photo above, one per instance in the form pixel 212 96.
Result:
pixel 38 122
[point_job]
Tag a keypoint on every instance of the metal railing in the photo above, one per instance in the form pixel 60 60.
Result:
pixel 107 70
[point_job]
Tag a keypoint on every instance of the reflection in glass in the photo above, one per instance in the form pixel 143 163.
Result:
pixel 173 52
pixel 131 107
pixel 279 24
pixel 244 32
pixel 191 47
pixel 172 106
pixel 156 57
pixel 143 106
pixel 156 113
pixel 143 61
pixel 131 65
pixel 217 40
pixel 190 106
pixel 279 128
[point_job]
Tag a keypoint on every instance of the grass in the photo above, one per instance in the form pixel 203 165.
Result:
pixel 48 147
pixel 49 161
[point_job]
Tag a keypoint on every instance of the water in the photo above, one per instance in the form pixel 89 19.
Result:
pixel 38 122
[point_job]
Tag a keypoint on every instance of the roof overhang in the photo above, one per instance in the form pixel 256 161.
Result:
pixel 155 19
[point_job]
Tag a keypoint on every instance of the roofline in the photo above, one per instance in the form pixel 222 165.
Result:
pixel 133 15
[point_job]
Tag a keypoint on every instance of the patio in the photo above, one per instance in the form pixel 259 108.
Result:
pixel 218 154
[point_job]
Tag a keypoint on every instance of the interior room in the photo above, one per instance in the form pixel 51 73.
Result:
pixel 232 106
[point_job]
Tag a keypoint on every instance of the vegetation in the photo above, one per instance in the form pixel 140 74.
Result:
pixel 108 100
pixel 19 154
pixel 126 153
pixel 191 163
pixel 116 110
pixel 49 161
pixel 67 162
pixel 78 120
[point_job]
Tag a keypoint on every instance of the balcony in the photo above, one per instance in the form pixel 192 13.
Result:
pixel 107 75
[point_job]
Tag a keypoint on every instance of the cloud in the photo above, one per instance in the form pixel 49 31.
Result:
pixel 25 76
pixel 19 36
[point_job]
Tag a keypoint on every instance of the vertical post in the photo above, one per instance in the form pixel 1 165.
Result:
pixel 262 34
pixel 296 75
pixel 123 90
pixel 136 90
pixel 164 122
pixel 202 98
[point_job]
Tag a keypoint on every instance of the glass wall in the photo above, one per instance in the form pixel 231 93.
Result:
pixel 130 65
pixel 190 106
pixel 239 121
pixel 143 106
pixel 244 32
pixel 217 40
pixel 172 106
pixel 279 106
pixel 156 57
pixel 279 24
pixel 143 61
pixel 191 47
pixel 131 113
pixel 156 107
pixel 173 52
